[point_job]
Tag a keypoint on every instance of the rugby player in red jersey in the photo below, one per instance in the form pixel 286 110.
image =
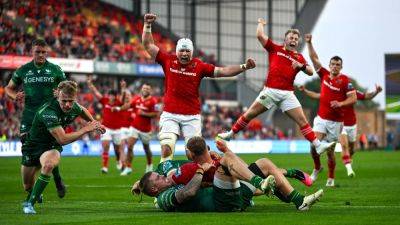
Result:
pixel 284 64
pixel 336 92
pixel 111 120
pixel 183 75
pixel 231 165
pixel 144 110
pixel 348 136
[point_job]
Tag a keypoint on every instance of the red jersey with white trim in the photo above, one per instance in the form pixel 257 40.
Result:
pixel 146 105
pixel 110 119
pixel 281 75
pixel 349 113
pixel 186 172
pixel 182 82
pixel 334 89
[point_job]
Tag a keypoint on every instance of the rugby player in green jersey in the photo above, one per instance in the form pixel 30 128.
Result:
pixel 43 146
pixel 227 194
pixel 38 78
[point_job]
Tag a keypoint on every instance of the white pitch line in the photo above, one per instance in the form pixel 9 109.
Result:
pixel 100 186
pixel 360 206
pixel 393 104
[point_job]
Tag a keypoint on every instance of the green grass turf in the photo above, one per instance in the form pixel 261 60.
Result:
pixel 93 198
pixel 391 99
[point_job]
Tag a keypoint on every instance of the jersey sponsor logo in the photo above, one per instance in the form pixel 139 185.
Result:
pixel 330 86
pixel 29 73
pixel 286 56
pixel 182 72
pixel 47 116
pixel 38 80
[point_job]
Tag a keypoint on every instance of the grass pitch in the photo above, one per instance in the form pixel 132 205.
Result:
pixel 372 197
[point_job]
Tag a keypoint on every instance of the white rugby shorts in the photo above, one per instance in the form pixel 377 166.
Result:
pixel 112 135
pixel 285 100
pixel 145 137
pixel 190 125
pixel 330 128
pixel 351 132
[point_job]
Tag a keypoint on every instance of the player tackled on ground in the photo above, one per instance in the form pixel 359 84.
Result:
pixel 227 194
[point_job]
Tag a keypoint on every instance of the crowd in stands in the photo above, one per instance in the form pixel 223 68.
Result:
pixel 82 29
pixel 75 29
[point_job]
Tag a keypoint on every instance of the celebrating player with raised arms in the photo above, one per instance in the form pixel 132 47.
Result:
pixel 284 64
pixel 183 74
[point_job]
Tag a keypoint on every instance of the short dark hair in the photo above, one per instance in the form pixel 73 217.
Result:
pixel 147 83
pixel 39 42
pixel 197 145
pixel 145 184
pixel 337 58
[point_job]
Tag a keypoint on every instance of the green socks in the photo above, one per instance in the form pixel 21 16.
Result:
pixel 290 173
pixel 256 181
pixel 296 198
pixel 39 187
pixel 56 174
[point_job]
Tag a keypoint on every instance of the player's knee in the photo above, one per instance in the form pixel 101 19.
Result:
pixel 258 169
pixel 48 166
pixel 265 164
pixel 168 139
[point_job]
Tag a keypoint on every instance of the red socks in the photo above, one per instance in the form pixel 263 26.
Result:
pixel 240 124
pixel 308 133
pixel 105 158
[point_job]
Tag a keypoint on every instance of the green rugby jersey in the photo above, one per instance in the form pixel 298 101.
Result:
pixel 203 201
pixel 165 167
pixel 49 116
pixel 38 85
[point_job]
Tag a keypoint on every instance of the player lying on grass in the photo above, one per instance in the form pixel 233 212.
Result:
pixel 223 179
pixel 43 146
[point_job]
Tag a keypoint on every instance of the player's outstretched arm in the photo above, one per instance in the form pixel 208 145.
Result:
pixel 147 37
pixel 260 34
pixel 147 114
pixel 372 94
pixel 126 98
pixel 312 53
pixel 311 94
pixel 193 186
pixel 234 70
pixel 63 138
pixel 93 88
